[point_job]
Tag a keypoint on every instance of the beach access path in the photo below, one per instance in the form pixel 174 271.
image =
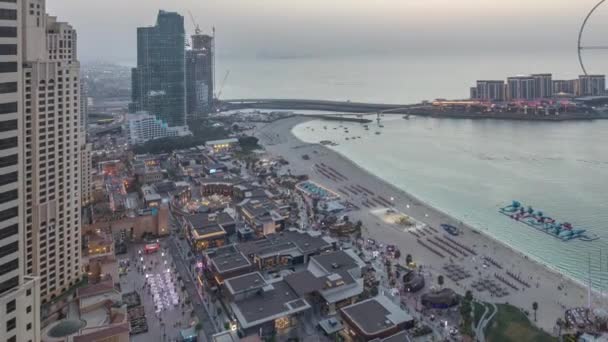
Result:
pixel 552 291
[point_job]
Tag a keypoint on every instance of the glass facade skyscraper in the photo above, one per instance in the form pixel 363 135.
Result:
pixel 159 78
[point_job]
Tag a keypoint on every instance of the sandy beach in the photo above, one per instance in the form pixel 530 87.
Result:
pixel 552 291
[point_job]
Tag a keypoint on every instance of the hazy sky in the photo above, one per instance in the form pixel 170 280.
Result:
pixel 294 28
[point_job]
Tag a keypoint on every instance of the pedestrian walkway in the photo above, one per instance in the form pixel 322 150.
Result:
pixel 164 321
pixel 199 307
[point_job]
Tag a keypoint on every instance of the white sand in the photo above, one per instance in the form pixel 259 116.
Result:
pixel 279 141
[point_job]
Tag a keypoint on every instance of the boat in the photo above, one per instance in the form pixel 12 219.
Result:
pixel 377 133
pixel 564 231
pixel 450 229
pixel 406 117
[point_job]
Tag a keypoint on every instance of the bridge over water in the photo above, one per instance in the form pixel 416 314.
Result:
pixel 322 105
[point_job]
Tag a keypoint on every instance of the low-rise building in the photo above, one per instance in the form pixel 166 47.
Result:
pixel 374 318
pixel 97 243
pixel 151 198
pixel 95 316
pixel 285 250
pixel 333 278
pixel 146 174
pixel 262 215
pixel 223 263
pixel 203 231
pixel 143 127
pixel 223 145
pixel 264 308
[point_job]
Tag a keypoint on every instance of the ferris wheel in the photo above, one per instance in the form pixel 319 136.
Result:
pixel 581 47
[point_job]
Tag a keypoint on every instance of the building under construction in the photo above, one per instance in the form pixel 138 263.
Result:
pixel 199 76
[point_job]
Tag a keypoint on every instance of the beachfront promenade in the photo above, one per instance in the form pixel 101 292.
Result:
pixel 552 291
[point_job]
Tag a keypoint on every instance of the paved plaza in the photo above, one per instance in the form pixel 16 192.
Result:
pixel 153 276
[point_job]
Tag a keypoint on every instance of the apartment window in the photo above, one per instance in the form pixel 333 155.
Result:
pixel 29 307
pixel 8 125
pixel 11 324
pixel 8 160
pixel 9 1
pixel 9 231
pixel 7 108
pixel 28 293
pixel 9 249
pixel 8 66
pixel 7 49
pixel 11 306
pixel 8 196
pixel 8 87
pixel 8 14
pixel 8 214
pixel 9 284
pixel 8 31
pixel 8 267
pixel 8 178
pixel 12 338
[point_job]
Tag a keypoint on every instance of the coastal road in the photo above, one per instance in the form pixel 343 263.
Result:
pixel 548 288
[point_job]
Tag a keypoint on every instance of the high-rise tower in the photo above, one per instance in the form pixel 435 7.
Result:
pixel 52 143
pixel 19 294
pixel 158 82
pixel 199 76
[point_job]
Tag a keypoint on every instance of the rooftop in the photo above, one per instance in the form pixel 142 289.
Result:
pixel 204 220
pixel 398 337
pixel 339 262
pixel 221 142
pixel 258 207
pixel 95 289
pixel 308 242
pixel 289 241
pixel 274 301
pixel 304 282
pixel 271 244
pixel 244 283
pixel 228 258
pixel 376 315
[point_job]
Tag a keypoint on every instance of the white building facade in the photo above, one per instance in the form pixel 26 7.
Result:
pixel 52 151
pixel 144 127
pixel 19 294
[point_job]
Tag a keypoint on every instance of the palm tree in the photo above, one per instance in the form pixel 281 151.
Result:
pixel 535 308
pixel 440 281
pixel 468 295
pixel 560 324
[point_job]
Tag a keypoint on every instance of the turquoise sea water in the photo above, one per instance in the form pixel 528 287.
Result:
pixel 466 168
pixel 469 169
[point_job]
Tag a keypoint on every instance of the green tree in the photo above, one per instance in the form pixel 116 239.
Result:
pixel 248 143
pixel 468 295
pixel 535 308
pixel 408 259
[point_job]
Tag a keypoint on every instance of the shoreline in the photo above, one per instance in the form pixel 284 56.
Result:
pixel 546 276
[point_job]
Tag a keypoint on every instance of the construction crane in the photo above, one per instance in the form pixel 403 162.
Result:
pixel 219 93
pixel 197 29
